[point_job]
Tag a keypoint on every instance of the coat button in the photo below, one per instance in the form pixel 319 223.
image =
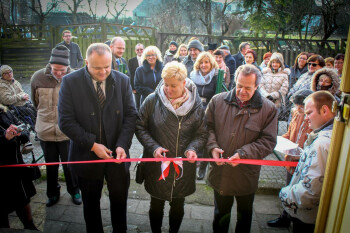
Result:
pixel 221 192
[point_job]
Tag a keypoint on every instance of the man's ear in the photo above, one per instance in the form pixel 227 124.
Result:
pixel 325 110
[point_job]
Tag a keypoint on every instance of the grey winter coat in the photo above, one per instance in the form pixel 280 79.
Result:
pixel 158 125
pixel 189 64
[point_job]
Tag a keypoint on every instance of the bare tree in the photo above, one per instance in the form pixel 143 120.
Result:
pixel 73 7
pixel 3 13
pixel 93 9
pixel 37 7
pixel 113 8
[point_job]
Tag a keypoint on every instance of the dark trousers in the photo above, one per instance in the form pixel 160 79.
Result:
pixel 56 152
pixel 222 212
pixel 176 213
pixel 118 182
pixel 299 226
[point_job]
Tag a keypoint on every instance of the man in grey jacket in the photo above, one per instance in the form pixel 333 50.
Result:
pixel 45 85
pixel 194 49
pixel 242 125
pixel 75 57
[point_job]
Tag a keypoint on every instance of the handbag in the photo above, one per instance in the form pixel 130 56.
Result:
pixel 32 173
pixel 139 178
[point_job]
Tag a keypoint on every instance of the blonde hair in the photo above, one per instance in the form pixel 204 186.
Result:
pixel 153 49
pixel 201 56
pixel 177 54
pixel 175 70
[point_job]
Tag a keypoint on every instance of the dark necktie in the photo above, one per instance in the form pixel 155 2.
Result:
pixel 101 96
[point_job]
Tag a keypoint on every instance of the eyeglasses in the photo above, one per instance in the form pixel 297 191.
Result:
pixel 151 55
pixel 338 63
pixel 10 72
pixel 301 58
pixel 312 64
pixel 139 49
pixel 67 36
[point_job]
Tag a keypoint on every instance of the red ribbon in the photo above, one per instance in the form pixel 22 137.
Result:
pixel 165 173
pixel 238 161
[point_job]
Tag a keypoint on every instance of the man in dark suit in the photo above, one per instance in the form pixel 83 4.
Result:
pixel 239 57
pixel 231 63
pixel 133 64
pixel 97 112
pixel 117 46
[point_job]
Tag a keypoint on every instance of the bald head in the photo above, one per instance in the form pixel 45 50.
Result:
pixel 118 46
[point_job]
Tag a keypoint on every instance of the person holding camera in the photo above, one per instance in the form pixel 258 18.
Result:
pixel 16 188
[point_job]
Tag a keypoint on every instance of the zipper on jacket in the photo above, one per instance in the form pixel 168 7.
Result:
pixel 178 135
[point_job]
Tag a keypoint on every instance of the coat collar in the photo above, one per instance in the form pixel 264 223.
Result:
pixel 255 101
pixel 147 67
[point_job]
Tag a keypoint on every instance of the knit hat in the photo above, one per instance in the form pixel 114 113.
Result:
pixel 60 55
pixel 173 43
pixel 278 57
pixel 4 69
pixel 267 55
pixel 196 44
pixel 299 96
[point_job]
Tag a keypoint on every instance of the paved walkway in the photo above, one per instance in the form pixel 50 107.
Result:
pixel 65 217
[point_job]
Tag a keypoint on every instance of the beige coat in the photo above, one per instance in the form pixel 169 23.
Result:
pixel 275 85
pixel 11 93
pixel 45 89
pixel 250 131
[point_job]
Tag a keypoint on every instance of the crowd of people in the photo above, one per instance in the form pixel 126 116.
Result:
pixel 172 105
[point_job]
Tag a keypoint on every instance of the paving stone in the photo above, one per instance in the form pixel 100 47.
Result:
pixel 202 212
pixel 55 226
pixel 132 205
pixel 73 214
pixel 143 207
pixel 264 204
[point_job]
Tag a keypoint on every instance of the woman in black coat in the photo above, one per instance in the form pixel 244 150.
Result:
pixel 16 190
pixel 148 75
pixel 171 123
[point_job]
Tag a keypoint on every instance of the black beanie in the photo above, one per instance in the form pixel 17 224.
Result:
pixel 173 43
pixel 60 55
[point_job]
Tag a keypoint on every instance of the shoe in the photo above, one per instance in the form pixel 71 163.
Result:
pixel 201 174
pixel 76 199
pixel 279 222
pixel 27 148
pixel 52 200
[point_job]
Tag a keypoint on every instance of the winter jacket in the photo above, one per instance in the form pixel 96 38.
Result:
pixel 207 91
pixel 303 82
pixel 16 189
pixel 295 73
pixel 189 64
pixel 275 85
pixel 239 59
pixel 146 79
pixel 44 93
pixel 75 57
pixel 298 129
pixel 11 93
pixel 330 73
pixel 158 125
pixel 231 64
pixel 302 196
pixel 250 131
pixel 168 57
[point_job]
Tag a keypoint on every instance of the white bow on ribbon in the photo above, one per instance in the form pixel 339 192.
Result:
pixel 178 165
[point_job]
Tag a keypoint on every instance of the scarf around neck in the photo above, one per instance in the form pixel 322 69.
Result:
pixel 199 79
pixel 177 102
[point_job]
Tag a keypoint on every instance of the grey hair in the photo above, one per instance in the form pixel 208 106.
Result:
pixel 139 44
pixel 99 48
pixel 243 45
pixel 249 69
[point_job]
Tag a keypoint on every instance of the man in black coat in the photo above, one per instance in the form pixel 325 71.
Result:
pixel 239 57
pixel 97 112
pixel 117 46
pixel 231 64
pixel 133 64
pixel 75 57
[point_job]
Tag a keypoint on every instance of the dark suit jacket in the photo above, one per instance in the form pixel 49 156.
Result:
pixel 115 65
pixel 239 59
pixel 80 118
pixel 133 64
pixel 231 64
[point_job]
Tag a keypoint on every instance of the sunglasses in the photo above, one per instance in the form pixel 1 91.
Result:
pixel 312 64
